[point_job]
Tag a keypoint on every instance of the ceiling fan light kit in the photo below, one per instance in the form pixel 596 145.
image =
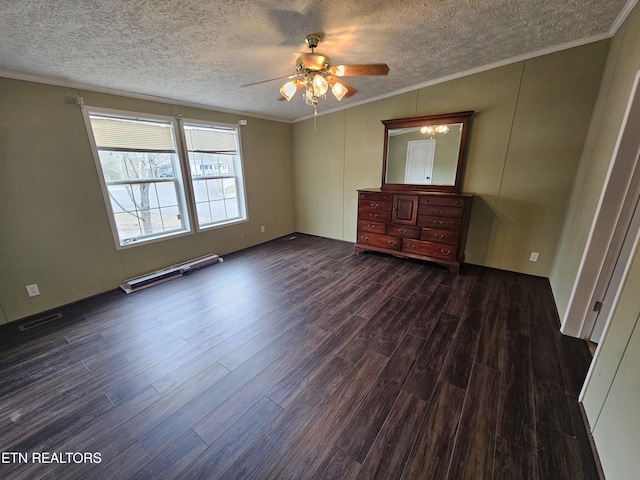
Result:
pixel 315 73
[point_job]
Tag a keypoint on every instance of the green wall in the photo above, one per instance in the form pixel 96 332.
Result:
pixel 611 396
pixel 54 226
pixel 524 145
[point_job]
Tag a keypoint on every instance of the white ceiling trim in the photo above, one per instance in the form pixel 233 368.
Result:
pixel 466 73
pixel 622 17
pixel 123 93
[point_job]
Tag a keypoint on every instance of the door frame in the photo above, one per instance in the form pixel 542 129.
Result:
pixel 616 188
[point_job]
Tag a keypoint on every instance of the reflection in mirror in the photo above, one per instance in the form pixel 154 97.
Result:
pixel 426 155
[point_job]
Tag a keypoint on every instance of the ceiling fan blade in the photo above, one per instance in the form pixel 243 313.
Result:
pixel 358 70
pixel 270 80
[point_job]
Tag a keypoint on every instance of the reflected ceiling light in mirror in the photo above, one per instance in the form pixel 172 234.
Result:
pixel 434 129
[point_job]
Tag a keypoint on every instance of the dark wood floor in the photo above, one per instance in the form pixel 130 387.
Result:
pixel 298 359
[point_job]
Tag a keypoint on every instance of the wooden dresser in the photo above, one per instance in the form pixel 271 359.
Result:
pixel 424 225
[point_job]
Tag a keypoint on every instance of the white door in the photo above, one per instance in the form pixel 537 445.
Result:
pixel 419 168
pixel 622 259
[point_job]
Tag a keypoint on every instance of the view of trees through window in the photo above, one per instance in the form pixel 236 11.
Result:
pixel 143 192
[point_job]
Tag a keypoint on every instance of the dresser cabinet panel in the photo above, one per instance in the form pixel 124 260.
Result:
pixel 423 225
pixel 405 209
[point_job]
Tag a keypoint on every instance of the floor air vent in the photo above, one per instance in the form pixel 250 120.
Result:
pixel 159 276
pixel 39 321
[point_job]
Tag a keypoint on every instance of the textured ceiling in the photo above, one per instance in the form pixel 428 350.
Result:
pixel 203 52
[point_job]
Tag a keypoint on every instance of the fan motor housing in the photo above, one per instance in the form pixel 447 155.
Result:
pixel 312 61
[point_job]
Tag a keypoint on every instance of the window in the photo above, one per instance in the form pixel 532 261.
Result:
pixel 145 179
pixel 216 173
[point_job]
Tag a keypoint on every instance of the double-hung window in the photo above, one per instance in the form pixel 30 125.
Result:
pixel 158 173
pixel 216 173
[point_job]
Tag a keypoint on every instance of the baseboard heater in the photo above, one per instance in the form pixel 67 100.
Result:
pixel 169 273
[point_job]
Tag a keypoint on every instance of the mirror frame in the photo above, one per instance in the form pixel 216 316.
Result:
pixel 445 118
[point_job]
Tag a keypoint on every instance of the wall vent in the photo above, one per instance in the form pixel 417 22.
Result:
pixel 39 321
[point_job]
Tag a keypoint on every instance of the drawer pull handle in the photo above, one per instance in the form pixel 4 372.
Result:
pixel 371 226
pixel 393 243
pixel 402 231
pixel 445 252
pixel 373 215
pixel 411 246
pixel 363 238
pixel 439 223
pixel 375 205
pixel 441 212
pixel 440 236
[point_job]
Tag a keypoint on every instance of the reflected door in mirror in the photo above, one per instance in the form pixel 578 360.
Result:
pixel 420 155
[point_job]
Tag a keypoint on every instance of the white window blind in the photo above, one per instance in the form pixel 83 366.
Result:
pixel 121 133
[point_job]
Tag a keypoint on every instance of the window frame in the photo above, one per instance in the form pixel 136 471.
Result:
pixel 184 181
pixel 239 176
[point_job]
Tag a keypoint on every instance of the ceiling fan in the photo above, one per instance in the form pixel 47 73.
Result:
pixel 316 75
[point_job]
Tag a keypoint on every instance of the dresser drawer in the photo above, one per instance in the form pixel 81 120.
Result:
pixel 374 210
pixel 438 200
pixel 402 231
pixel 440 223
pixel 373 227
pixel 380 241
pixel 378 196
pixel 438 250
pixel 441 210
pixel 442 236
pixel 374 215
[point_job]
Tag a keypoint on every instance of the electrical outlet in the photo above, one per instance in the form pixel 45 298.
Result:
pixel 262 228
pixel 533 257
pixel 33 290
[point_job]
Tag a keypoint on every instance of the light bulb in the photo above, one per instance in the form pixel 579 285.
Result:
pixel 289 89
pixel 308 96
pixel 320 85
pixel 339 90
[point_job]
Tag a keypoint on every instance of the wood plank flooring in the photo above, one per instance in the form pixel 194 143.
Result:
pixel 299 359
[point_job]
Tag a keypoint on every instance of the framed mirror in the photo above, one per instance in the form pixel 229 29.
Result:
pixel 424 153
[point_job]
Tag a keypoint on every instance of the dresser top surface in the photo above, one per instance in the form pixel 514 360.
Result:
pixel 416 192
